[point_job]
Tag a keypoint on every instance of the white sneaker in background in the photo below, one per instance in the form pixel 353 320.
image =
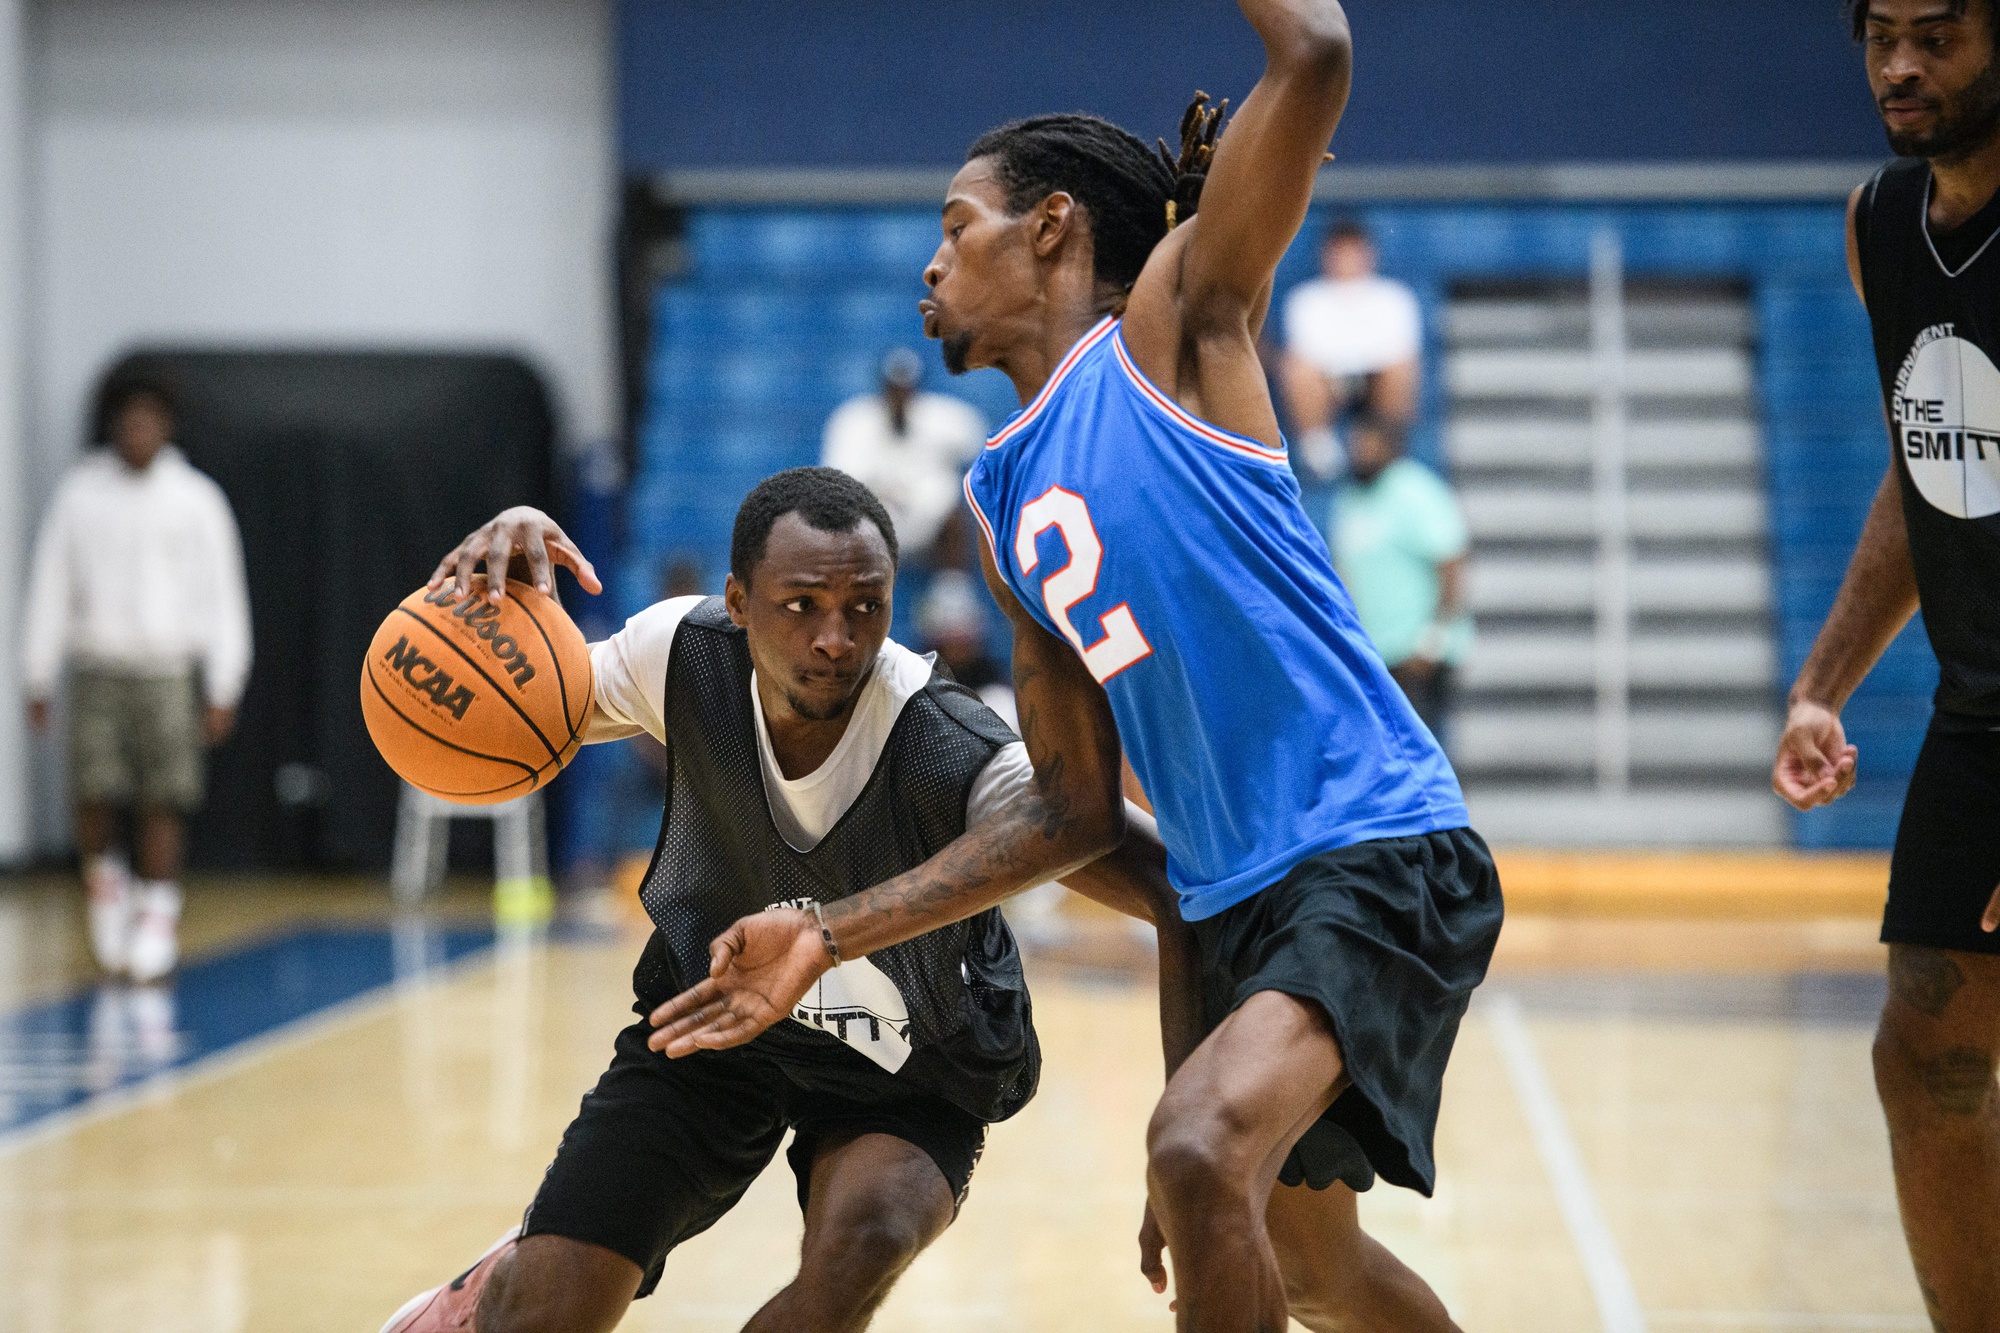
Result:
pixel 109 883
pixel 151 1010
pixel 155 939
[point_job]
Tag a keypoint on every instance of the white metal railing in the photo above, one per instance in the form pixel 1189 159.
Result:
pixel 1612 575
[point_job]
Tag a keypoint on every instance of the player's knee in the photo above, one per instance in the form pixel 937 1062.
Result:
pixel 1923 1072
pixel 1200 1138
pixel 871 1250
pixel 1192 1159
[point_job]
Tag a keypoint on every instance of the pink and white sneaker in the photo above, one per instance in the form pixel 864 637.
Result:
pixel 449 1309
pixel 109 882
pixel 154 949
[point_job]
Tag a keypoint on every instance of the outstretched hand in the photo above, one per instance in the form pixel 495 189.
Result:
pixel 758 971
pixel 523 534
pixel 1815 763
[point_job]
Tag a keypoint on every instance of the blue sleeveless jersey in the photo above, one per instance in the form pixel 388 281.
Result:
pixel 1176 559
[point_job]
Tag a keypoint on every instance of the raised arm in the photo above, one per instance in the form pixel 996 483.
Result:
pixel 1193 317
pixel 761 966
pixel 1261 180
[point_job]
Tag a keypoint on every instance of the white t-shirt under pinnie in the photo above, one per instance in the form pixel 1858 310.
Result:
pixel 630 671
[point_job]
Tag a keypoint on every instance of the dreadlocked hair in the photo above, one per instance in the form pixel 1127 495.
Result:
pixel 1201 126
pixel 1133 195
pixel 1857 17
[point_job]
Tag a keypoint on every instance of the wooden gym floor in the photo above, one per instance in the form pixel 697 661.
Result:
pixel 1659 1118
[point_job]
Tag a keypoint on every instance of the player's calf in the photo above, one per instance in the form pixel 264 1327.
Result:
pixel 545 1284
pixel 1936 1051
pixel 1338 1279
pixel 551 1284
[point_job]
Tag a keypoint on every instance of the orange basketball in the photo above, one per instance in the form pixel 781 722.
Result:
pixel 475 702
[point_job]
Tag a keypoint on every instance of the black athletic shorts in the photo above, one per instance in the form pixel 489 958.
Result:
pixel 1389 938
pixel 1947 858
pixel 661 1148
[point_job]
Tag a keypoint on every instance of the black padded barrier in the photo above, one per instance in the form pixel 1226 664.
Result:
pixel 351 473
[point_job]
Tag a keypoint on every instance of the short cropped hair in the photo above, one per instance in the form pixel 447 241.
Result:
pixel 826 498
pixel 1348 229
pixel 125 385
pixel 1857 17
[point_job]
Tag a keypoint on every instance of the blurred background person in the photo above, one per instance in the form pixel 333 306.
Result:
pixel 1399 544
pixel 952 623
pixel 137 586
pixel 1353 342
pixel 911 448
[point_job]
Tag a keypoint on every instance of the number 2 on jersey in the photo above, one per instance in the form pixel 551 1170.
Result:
pixel 1065 511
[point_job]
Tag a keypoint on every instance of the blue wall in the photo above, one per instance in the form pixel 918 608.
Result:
pixel 708 83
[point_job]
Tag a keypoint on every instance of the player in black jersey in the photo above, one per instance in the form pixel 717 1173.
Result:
pixel 1921 250
pixel 811 758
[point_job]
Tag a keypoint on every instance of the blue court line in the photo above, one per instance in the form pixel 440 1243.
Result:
pixel 58 1056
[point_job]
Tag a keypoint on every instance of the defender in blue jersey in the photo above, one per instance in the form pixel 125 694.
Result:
pixel 1144 535
pixel 1176 559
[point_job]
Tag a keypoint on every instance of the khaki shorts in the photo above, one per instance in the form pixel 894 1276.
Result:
pixel 135 740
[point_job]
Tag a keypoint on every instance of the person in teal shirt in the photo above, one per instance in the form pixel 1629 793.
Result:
pixel 1399 544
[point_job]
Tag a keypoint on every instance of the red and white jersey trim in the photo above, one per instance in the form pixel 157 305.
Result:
pixel 1063 368
pixel 980 515
pixel 1237 444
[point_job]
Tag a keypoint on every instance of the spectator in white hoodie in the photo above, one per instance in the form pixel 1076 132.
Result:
pixel 137 587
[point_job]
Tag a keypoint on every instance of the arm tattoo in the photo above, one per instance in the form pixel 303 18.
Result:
pixel 978 869
pixel 1055 800
pixel 1923 978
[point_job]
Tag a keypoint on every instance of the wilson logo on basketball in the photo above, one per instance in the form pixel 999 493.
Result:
pixel 436 682
pixel 483 618
pixel 425 722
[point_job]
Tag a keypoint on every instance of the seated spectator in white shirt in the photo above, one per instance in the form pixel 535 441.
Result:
pixel 1353 341
pixel 911 449
pixel 137 587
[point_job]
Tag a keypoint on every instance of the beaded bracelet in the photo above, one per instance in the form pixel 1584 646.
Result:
pixel 826 933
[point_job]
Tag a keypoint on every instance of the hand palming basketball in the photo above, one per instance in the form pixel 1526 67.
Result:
pixel 476 700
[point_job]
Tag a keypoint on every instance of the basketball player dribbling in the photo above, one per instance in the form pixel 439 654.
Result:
pixel 1921 252
pixel 810 756
pixel 1142 524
